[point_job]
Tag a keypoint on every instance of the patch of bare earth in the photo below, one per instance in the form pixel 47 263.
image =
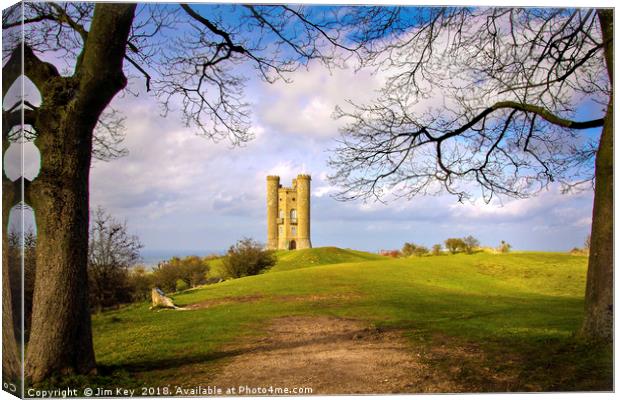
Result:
pixel 331 356
pixel 258 297
pixel 223 301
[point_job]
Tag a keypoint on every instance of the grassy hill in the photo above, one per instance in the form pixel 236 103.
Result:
pixel 522 306
pixel 288 260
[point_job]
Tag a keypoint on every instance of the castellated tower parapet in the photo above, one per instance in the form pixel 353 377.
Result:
pixel 288 214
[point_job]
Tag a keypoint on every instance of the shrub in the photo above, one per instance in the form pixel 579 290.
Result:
pixel 391 253
pixel 140 282
pixel 247 257
pixel 470 244
pixel 181 285
pixel 191 270
pixel 408 249
pixel 582 251
pixel 111 252
pixel 411 249
pixel 454 245
pixel 108 288
pixel 578 251
pixel 420 251
pixel 504 247
pixel 436 251
pixel 165 275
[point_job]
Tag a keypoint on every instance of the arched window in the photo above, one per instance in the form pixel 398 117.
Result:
pixel 281 214
pixel 293 214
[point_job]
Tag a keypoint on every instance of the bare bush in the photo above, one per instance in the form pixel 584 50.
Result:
pixel 111 253
pixel 470 244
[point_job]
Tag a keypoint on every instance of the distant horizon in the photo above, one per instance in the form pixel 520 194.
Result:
pixel 153 257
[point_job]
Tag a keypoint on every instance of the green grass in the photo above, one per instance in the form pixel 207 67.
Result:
pixel 524 304
pixel 289 260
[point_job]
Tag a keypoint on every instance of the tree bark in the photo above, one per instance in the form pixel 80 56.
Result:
pixel 61 337
pixel 11 361
pixel 598 321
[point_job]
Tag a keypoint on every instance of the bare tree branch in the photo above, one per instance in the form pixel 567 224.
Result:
pixel 511 82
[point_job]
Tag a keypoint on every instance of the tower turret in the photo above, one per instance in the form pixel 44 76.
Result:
pixel 303 212
pixel 273 184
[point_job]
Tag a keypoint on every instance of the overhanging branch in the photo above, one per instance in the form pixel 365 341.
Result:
pixel 530 108
pixel 229 43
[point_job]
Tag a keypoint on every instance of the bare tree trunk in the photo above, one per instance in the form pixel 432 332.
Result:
pixel 60 336
pixel 598 322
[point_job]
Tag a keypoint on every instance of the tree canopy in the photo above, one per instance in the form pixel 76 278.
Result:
pixel 479 101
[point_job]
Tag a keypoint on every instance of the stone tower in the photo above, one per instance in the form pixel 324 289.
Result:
pixel 288 214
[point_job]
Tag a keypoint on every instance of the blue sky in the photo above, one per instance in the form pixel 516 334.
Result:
pixel 180 192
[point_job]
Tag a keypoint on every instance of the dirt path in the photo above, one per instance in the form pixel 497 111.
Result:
pixel 344 356
pixel 331 356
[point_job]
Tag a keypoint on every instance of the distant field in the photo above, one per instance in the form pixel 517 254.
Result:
pixel 519 310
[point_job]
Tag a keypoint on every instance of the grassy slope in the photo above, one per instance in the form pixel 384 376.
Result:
pixel 289 260
pixel 528 304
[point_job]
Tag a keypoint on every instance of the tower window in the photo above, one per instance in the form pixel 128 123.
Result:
pixel 293 214
pixel 281 214
pixel 293 230
pixel 281 229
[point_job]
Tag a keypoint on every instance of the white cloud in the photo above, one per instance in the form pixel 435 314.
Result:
pixel 323 191
pixel 549 204
pixel 306 106
pixel 286 169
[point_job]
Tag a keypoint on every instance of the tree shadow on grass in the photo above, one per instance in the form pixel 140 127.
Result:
pixel 483 343
pixel 550 365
